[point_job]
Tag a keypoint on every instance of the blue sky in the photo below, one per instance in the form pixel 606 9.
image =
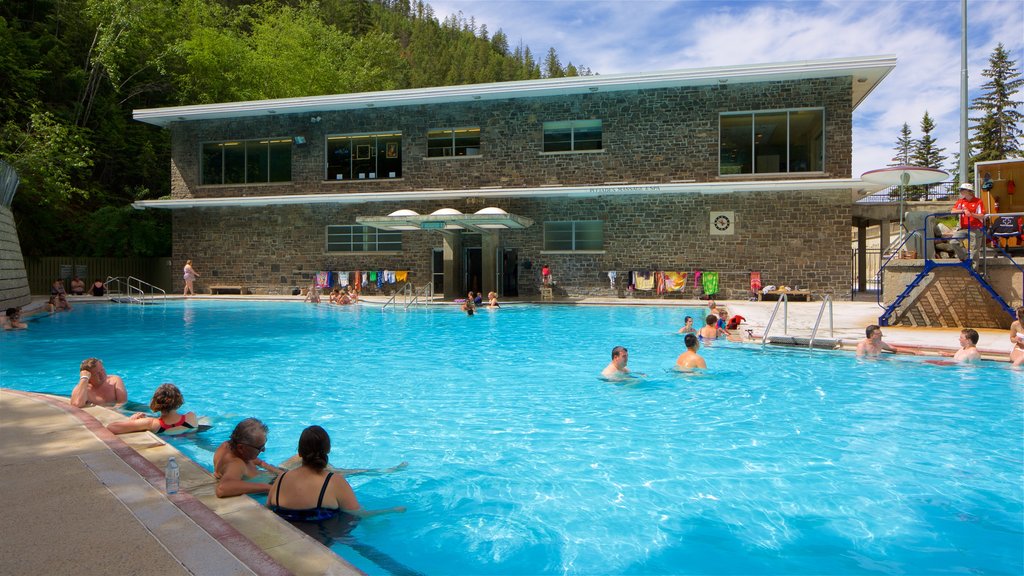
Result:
pixel 613 36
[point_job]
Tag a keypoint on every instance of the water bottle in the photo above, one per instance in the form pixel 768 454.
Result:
pixel 173 474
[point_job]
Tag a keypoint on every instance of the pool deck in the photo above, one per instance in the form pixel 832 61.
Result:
pixel 59 466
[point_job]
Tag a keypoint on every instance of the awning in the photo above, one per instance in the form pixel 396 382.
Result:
pixel 487 219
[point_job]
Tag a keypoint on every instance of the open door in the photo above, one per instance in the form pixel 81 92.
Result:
pixel 508 272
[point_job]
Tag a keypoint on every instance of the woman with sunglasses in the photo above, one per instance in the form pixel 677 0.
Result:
pixel 237 461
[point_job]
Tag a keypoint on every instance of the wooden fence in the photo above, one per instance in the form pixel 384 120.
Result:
pixel 43 271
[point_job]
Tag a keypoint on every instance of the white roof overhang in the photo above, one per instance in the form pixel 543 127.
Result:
pixel 474 222
pixel 858 187
pixel 867 72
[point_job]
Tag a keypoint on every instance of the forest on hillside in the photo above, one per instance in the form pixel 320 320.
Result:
pixel 72 71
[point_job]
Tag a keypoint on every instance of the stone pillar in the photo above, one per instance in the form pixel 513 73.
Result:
pixel 883 235
pixel 14 289
pixel 862 256
pixel 489 241
pixel 453 265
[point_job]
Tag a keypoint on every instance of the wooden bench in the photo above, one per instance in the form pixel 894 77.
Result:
pixel 805 294
pixel 226 290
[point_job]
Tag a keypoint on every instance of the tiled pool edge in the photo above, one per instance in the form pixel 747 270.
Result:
pixel 261 540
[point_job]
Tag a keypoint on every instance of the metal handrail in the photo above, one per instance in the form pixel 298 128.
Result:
pixel 134 288
pixel 784 302
pixel 428 295
pixel 404 290
pixel 825 299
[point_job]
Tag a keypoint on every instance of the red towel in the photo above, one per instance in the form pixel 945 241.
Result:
pixel 755 282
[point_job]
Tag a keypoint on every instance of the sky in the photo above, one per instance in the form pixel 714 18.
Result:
pixel 623 36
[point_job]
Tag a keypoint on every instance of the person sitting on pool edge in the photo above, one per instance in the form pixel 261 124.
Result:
pixel 238 459
pixel 95 386
pixel 166 400
pixel 690 359
pixel 873 345
pixel 311 493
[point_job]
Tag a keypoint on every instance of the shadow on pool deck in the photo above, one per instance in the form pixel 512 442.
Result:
pixel 79 500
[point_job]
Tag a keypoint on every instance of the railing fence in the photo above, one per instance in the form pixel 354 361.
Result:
pixel 43 271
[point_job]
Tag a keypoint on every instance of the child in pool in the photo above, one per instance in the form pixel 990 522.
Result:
pixel 166 400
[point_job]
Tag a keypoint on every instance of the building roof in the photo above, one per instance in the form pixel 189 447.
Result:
pixel 867 72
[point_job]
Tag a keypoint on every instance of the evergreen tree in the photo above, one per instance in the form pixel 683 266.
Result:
pixel 552 66
pixel 903 148
pixel 500 42
pixel 925 153
pixel 996 134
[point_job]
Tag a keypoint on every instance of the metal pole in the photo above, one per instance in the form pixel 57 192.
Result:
pixel 964 137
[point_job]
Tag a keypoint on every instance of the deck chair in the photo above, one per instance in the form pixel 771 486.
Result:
pixel 1007 227
pixel 709 280
pixel 755 285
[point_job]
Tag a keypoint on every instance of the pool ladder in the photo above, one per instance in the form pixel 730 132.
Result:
pixel 411 296
pixel 824 343
pixel 132 290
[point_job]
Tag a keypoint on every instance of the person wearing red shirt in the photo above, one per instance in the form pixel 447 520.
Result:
pixel 972 222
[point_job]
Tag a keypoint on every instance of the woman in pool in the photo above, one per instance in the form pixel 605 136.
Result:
pixel 688 327
pixel 311 493
pixel 166 400
pixel 492 299
pixel 1017 338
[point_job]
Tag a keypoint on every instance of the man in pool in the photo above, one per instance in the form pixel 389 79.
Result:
pixel 968 352
pixel 690 360
pixel 616 369
pixel 873 345
pixel 238 459
pixel 95 386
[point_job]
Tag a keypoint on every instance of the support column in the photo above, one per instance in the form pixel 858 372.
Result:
pixel 862 256
pixel 488 261
pixel 883 235
pixel 453 265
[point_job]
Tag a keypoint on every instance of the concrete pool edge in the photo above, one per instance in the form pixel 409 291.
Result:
pixel 258 539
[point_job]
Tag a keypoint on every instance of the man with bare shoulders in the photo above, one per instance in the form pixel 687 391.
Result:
pixel 238 459
pixel 95 386
pixel 873 345
pixel 616 369
pixel 968 352
pixel 690 360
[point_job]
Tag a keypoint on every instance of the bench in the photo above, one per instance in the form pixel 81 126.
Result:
pixel 805 294
pixel 226 290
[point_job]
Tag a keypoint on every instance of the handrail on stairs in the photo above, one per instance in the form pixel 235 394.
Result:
pixel 427 296
pixel 825 299
pixel 406 290
pixel 784 302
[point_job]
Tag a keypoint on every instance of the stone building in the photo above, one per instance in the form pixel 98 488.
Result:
pixel 731 170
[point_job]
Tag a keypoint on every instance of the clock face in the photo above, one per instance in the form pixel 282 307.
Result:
pixel 722 222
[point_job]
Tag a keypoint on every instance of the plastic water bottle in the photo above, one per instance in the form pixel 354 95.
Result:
pixel 173 474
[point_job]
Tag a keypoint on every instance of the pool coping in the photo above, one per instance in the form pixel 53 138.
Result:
pixel 258 538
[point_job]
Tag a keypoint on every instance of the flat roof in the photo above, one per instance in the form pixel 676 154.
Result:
pixel 866 71
pixel 857 186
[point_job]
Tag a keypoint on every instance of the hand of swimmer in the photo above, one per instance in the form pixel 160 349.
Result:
pixel 138 415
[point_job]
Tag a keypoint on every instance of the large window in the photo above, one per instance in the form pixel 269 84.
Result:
pixel 364 156
pixel 572 136
pixel 453 142
pixel 362 239
pixel 247 161
pixel 772 142
pixel 574 236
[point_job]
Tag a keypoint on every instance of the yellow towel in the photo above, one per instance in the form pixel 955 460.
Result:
pixel 675 281
pixel 401 275
pixel 645 283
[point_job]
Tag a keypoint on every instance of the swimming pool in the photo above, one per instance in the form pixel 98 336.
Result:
pixel 522 462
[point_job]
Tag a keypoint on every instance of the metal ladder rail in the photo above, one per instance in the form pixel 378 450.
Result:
pixel 825 299
pixel 784 302
pixel 427 296
pixel 403 291
pixel 153 289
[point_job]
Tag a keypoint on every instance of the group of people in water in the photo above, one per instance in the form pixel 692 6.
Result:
pixel 475 300
pixel 313 492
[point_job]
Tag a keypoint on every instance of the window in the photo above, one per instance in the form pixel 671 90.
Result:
pixel 362 239
pixel 364 156
pixel 574 236
pixel 453 142
pixel 572 136
pixel 246 162
pixel 772 142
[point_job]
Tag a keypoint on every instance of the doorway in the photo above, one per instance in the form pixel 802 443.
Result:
pixel 508 272
pixel 473 266
pixel 437 270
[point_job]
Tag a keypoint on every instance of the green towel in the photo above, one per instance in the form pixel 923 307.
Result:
pixel 710 282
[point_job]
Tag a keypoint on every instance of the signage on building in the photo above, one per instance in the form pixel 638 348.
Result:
pixel 432 226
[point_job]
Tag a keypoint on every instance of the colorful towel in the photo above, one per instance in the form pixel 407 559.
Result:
pixel 696 280
pixel 323 279
pixel 644 281
pixel 675 281
pixel 710 282
pixel 755 282
pixel 401 275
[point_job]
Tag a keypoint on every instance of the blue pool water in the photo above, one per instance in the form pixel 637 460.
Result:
pixel 522 462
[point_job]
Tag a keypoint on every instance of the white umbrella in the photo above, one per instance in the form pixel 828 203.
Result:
pixel 904 176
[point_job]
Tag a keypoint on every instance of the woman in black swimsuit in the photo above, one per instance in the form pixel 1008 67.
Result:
pixel 310 493
pixel 166 400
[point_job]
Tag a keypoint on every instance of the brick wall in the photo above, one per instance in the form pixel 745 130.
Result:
pixel 950 297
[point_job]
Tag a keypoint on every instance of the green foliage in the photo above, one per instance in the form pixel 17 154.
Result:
pixel 997 131
pixel 904 145
pixel 49 156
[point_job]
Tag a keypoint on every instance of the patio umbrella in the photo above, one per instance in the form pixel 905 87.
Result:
pixel 904 176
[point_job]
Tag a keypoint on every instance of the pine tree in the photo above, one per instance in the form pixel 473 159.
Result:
pixel 925 152
pixel 904 146
pixel 552 66
pixel 996 134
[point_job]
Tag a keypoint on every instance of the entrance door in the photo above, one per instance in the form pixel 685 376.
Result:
pixel 437 270
pixel 508 276
pixel 473 265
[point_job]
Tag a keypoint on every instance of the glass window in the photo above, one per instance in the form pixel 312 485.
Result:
pixel 246 162
pixel 774 142
pixel 572 136
pixel 362 239
pixel 574 236
pixel 364 156
pixel 453 142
